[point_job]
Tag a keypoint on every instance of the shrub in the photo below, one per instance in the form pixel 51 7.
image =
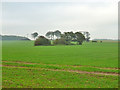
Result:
pixel 41 40
pixel 61 42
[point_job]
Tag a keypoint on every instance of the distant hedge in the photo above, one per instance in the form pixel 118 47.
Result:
pixel 41 40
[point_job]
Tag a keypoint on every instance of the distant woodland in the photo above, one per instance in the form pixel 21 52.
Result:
pixel 12 37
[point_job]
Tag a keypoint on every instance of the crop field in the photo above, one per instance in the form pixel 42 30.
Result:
pixel 91 65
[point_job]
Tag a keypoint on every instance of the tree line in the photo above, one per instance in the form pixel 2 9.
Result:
pixel 66 38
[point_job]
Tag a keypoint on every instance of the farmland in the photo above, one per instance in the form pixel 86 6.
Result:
pixel 91 65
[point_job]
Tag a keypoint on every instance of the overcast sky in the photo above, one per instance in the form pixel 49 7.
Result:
pixel 99 17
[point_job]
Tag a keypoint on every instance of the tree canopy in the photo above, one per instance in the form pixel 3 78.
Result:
pixel 34 35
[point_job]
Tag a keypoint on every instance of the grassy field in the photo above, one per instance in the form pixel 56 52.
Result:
pixel 92 65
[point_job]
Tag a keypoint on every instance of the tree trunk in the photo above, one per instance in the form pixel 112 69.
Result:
pixel 80 43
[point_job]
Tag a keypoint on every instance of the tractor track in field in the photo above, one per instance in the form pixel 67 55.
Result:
pixel 62 65
pixel 76 71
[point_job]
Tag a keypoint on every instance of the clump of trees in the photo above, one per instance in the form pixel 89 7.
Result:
pixel 41 40
pixel 76 37
pixel 57 38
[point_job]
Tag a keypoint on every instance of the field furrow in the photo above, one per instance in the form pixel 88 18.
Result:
pixel 77 71
pixel 109 68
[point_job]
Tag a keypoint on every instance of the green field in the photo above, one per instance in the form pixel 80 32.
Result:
pixel 91 65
